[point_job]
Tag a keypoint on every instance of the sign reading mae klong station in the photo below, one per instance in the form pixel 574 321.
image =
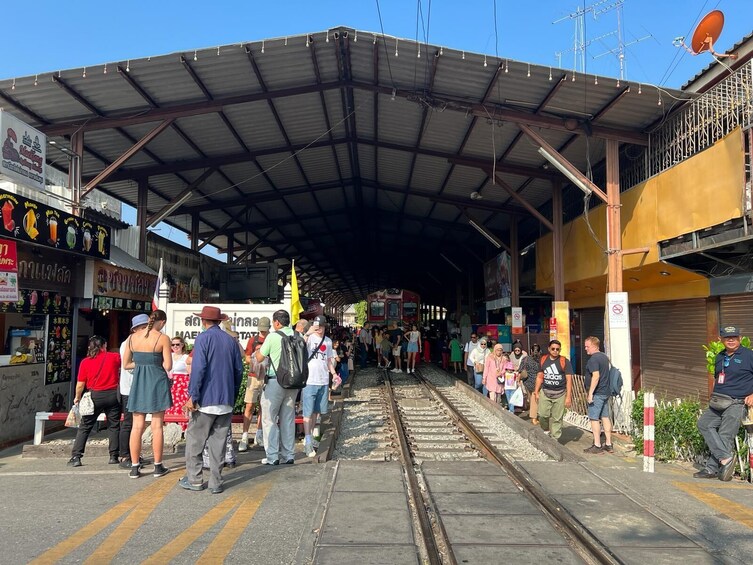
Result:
pixel 23 150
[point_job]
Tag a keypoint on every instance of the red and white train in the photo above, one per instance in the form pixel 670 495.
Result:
pixel 393 304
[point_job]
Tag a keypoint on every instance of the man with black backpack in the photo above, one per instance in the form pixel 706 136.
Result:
pixel 555 378
pixel 598 391
pixel 277 402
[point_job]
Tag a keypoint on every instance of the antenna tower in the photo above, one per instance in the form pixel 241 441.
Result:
pixel 579 18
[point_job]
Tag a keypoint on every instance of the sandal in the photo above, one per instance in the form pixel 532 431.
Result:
pixel 535 422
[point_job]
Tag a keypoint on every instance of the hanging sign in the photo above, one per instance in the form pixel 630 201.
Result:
pixel 617 307
pixel 8 271
pixel 23 150
pixel 24 219
pixel 517 320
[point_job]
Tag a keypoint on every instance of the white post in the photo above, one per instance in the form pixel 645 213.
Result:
pixel 617 348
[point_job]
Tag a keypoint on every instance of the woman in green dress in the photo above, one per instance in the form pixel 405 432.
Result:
pixel 456 354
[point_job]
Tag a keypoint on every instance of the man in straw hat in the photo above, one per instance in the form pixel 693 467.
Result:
pixel 216 374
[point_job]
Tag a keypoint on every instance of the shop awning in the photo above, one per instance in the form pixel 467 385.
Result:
pixel 122 260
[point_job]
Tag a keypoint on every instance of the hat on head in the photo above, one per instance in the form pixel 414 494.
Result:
pixel 211 313
pixel 321 320
pixel 729 331
pixel 264 324
pixel 139 320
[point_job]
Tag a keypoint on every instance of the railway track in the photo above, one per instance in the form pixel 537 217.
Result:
pixel 429 424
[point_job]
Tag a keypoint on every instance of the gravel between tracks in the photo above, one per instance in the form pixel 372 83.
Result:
pixel 363 432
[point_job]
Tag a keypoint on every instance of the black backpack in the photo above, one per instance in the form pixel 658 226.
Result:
pixel 293 370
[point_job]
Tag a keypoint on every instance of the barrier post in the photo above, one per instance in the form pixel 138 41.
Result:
pixel 649 404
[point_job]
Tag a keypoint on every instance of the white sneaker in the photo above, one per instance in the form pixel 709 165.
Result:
pixel 309 449
pixel 243 443
pixel 259 439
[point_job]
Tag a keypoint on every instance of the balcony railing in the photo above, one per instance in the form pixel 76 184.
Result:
pixel 695 127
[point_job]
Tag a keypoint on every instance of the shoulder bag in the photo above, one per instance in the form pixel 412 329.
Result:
pixel 86 404
pixel 720 402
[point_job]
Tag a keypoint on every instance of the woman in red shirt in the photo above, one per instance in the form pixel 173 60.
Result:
pixel 99 372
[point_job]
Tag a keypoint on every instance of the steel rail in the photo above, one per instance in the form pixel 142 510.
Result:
pixel 582 540
pixel 414 491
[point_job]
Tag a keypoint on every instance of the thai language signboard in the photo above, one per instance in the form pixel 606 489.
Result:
pixel 23 152
pixel 8 271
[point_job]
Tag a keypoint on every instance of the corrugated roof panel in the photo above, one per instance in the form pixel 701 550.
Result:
pixel 113 146
pixel 463 181
pixel 444 131
pixel 164 80
pixel 417 206
pixel 464 78
pixel 429 173
pixel 210 134
pixel 287 65
pixel 281 168
pixel 256 125
pixel 344 157
pixel 334 103
pixel 399 121
pixel 167 146
pixel 247 177
pixel 226 74
pixel 364 112
pixel 394 166
pixel 485 141
pixel 366 160
pixel 302 117
pixel 445 212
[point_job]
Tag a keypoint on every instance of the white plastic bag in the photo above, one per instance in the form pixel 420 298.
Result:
pixel 517 397
pixel 74 418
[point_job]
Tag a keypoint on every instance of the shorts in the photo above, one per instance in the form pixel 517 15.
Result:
pixel 253 390
pixel 599 408
pixel 315 399
pixel 412 347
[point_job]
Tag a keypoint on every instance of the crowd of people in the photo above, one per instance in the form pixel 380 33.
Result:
pixel 542 382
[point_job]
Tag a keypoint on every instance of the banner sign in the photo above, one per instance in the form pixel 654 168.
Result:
pixel 38 302
pixel 27 220
pixel 497 288
pixel 8 271
pixel 59 335
pixel 24 150
pixel 517 320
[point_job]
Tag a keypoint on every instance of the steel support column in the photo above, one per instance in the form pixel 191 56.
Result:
pixel 614 223
pixel 75 170
pixel 141 214
pixel 514 264
pixel 557 242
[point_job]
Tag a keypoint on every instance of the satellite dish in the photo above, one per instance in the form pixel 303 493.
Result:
pixel 706 33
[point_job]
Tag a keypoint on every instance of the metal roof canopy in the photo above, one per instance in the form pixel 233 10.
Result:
pixel 351 152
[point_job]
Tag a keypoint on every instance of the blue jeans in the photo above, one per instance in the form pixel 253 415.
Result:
pixel 362 357
pixel 719 430
pixel 344 371
pixel 508 395
pixel 478 379
pixel 278 402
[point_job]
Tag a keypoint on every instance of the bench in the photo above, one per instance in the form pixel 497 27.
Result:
pixel 42 418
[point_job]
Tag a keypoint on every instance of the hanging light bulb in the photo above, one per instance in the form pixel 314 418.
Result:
pixel 35 79
pixel 105 70
pixel 355 39
pixel 13 86
pixel 463 55
pixel 419 51
pixel 618 84
pixel 396 42
pixel 507 65
pixel 286 42
pixel 307 40
pixel 262 47
pixel 639 89
pixel 195 57
pixel 485 64
pixel 659 102
pixel 596 80
pixel 529 70
pixel 573 77
pixel 441 51
pixel 128 66
pixel 218 50
pixel 374 42
pixel 550 73
pixel 84 74
pixel 326 40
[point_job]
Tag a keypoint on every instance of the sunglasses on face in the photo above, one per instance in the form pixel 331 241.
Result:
pixel 554 349
pixel 176 345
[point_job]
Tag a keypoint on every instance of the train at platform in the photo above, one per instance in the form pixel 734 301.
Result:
pixel 393 305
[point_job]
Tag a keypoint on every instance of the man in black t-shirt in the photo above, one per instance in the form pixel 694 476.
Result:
pixel 733 391
pixel 597 387
pixel 396 338
pixel 555 378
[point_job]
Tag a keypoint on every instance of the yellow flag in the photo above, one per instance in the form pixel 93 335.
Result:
pixel 295 298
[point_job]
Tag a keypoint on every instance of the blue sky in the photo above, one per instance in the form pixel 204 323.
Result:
pixel 64 35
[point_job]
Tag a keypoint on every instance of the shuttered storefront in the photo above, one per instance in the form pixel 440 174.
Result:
pixel 591 324
pixel 737 310
pixel 672 335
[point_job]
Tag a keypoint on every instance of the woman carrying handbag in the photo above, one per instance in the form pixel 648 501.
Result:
pixel 98 373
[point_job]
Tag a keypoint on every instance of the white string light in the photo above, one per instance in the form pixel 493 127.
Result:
pixel 507 65
pixel 658 92
pixel 596 80
pixel 550 73
pixel 639 89
pixel 374 42
pixel 485 64
pixel 326 40
pixel 441 51
pixel 463 55
pixel 36 77
pixel 308 37
pixel 355 38
pixel 262 47
pixel 286 41
pixel 618 84
pixel 128 66
pixel 195 56
pixel 419 51
pixel 396 43
pixel 573 77
pixel 218 50
pixel 529 70
pixel 13 86
pixel 84 73
pixel 104 72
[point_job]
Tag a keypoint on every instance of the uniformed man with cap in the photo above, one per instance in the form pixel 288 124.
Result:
pixel 733 391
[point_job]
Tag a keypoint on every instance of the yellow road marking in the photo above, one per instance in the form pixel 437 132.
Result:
pixel 109 548
pixel 236 525
pixel 55 554
pixel 196 530
pixel 738 512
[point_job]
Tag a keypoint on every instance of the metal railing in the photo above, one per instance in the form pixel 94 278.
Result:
pixel 696 126
pixel 620 408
